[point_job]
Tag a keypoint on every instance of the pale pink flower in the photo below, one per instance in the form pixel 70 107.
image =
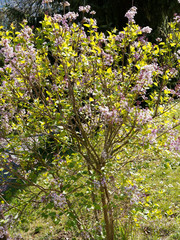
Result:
pixel 177 18
pixel 71 15
pixel 147 72
pixel 146 30
pixel 145 78
pixel 108 59
pixel 177 55
pixel 158 39
pixel 58 200
pixel 92 12
pixel 57 18
pixel 84 8
pixel 144 116
pixel 108 115
pixel 120 36
pixel 131 13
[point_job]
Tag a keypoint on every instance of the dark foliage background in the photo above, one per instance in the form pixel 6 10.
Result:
pixel 110 13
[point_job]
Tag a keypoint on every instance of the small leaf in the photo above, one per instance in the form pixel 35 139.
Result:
pixel 87 25
pixel 109 70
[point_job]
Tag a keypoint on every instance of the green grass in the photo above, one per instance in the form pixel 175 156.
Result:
pixel 161 180
pixel 163 184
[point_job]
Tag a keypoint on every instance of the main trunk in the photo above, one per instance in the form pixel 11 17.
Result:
pixel 107 212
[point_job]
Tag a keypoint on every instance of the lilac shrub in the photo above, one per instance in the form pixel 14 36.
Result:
pixel 76 94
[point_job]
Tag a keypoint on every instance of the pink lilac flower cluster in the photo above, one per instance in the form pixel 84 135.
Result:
pixel 145 78
pixel 134 194
pixel 120 36
pixel 144 116
pixel 20 62
pixel 174 72
pixel 5 124
pixel 7 112
pixel 64 21
pixel 86 8
pixel 137 56
pixel 58 200
pixel 26 33
pixel 109 116
pixel 86 110
pixel 21 59
pixel 151 137
pixel 7 50
pixel 177 54
pixel 131 14
pixel 146 29
pixel 57 18
pixel 142 39
pixel 154 134
pixel 58 41
pixel 93 12
pixel 158 39
pixel 175 144
pixel 3 233
pixel 177 89
pixel 173 141
pixel 71 16
pixel 108 58
pixel 176 18
pixel 146 73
